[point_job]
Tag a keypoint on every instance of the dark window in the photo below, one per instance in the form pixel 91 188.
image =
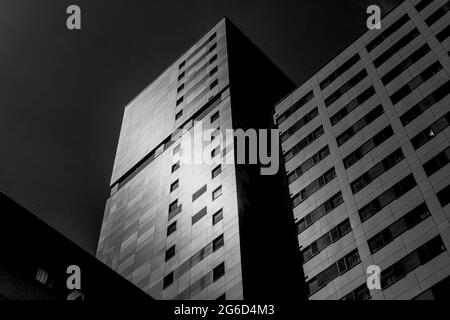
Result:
pixel 368 146
pixel 387 32
pixel 308 164
pixel 168 280
pixel 440 291
pixel 199 192
pixel 216 171
pixel 384 199
pixel 382 58
pixel 415 82
pixel 310 138
pixel 437 162
pixel 181 76
pixel 179 114
pixel 443 34
pixel 217 216
pixel 215 151
pixel 339 71
pixel 444 196
pixel 213 71
pixel 299 124
pixel 381 167
pixel 213 84
pixel 174 209
pixel 177 149
pixel 405 223
pixel 173 206
pixel 313 187
pixel 300 103
pixel 360 293
pixel 218 271
pixel 218 242
pixel 174 186
pixel 181 87
pixel 430 132
pixel 359 125
pixel 182 64
pixel 352 105
pixel 171 228
pixel 222 297
pixel 170 253
pixel 196 217
pixel 405 64
pixel 438 14
pixel 175 166
pixel 217 193
pixel 346 87
pixel 180 100
pixel 423 105
pixel 213 58
pixel 422 4
pixel 212 47
pixel 215 116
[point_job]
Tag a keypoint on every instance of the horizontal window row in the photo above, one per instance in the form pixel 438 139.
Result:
pixel 346 87
pixel 204 44
pixel 384 199
pixel 385 56
pixel 440 291
pixel 332 272
pixel 359 125
pixel 196 217
pixel 415 82
pixel 444 196
pixel 422 5
pixel 322 210
pixel 413 260
pixel 313 187
pixel 438 14
pixel 431 131
pixel 308 164
pixel 377 170
pixel 405 64
pixel 339 71
pixel 300 103
pixel 405 223
pixel 368 146
pixel 443 34
pixel 360 293
pixel 199 192
pixel 310 138
pixel 352 105
pixel 174 209
pixel 300 123
pixel 437 162
pixel 324 241
pixel 387 32
pixel 423 105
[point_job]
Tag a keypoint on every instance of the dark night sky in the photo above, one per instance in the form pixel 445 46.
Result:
pixel 62 92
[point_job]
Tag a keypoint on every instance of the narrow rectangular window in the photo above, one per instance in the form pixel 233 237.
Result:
pixel 217 193
pixel 218 271
pixel 217 216
pixel 170 253
pixel 216 171
pixel 174 186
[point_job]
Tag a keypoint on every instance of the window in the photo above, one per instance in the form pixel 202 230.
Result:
pixel 360 293
pixel 213 84
pixel 384 199
pixel 359 125
pixel 196 217
pixel 345 87
pixel 339 71
pixel 444 196
pixel 438 14
pixel 218 271
pixel 43 277
pixel 199 192
pixel 174 186
pixel 173 205
pixel 444 34
pixel 174 209
pixel 387 32
pixel 310 138
pixel 215 116
pixel 382 58
pixel 182 64
pixel 423 105
pixel 405 64
pixel 170 253
pixel 175 166
pixel 213 58
pixel 299 124
pixel 217 193
pixel 381 167
pixel 367 146
pixel 180 100
pixel 415 82
pixel 218 242
pixel 429 133
pixel 217 216
pixel 296 106
pixel 422 5
pixel 168 280
pixel 440 291
pixel 308 164
pixel 179 114
pixel 181 87
pixel 324 241
pixel 215 133
pixel 216 171
pixel 215 151
pixel 313 187
pixel 437 162
pixel 212 47
pixel 213 71
pixel 413 260
pixel 181 76
pixel 222 297
pixel 322 210
pixel 352 105
pixel 171 228
pixel 405 223
pixel 177 149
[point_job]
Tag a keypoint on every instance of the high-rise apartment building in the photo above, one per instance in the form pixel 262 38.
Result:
pixel 202 231
pixel 366 143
